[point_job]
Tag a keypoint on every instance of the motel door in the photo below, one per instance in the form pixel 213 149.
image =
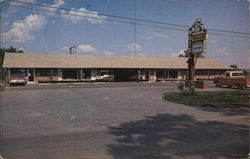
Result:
pixel 147 75
pixel 30 75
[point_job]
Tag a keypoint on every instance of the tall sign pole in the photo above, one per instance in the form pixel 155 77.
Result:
pixel 197 35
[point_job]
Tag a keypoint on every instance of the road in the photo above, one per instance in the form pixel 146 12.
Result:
pixel 115 121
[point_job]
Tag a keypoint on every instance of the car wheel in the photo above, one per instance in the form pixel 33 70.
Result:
pixel 240 87
pixel 218 84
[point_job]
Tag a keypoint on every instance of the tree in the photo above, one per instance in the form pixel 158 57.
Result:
pixel 234 66
pixel 2 52
pixel 185 54
pixel 20 51
pixel 11 49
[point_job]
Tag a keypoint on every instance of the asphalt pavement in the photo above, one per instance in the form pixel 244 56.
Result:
pixel 115 121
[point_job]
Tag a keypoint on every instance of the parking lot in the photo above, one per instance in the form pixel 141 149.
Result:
pixel 115 121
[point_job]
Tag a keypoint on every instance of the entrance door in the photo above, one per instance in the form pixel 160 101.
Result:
pixel 147 75
pixel 30 75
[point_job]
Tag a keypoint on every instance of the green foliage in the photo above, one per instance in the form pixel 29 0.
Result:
pixel 180 86
pixel 234 66
pixel 185 54
pixel 11 49
pixel 2 74
pixel 220 99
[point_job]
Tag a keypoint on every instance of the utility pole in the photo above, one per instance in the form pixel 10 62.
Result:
pixel 197 35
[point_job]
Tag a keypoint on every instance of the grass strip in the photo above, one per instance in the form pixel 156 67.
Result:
pixel 220 99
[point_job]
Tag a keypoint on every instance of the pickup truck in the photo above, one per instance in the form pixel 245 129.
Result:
pixel 233 79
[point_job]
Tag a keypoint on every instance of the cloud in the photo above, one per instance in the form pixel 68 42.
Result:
pixel 55 6
pixel 65 48
pixel 21 31
pixel 134 47
pixel 85 48
pixel 21 49
pixel 11 11
pixel 213 42
pixel 141 54
pixel 108 52
pixel 223 51
pixel 83 14
pixel 4 24
pixel 176 54
pixel 156 35
pixel 19 4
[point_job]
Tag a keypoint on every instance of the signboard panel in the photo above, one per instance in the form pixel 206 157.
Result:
pixel 200 37
pixel 198 47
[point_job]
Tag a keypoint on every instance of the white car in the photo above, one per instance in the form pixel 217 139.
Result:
pixel 107 76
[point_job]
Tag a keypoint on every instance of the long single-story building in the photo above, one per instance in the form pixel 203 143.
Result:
pixel 34 68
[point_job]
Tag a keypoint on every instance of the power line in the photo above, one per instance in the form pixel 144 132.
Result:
pixel 128 18
pixel 133 23
pixel 218 34
pixel 225 31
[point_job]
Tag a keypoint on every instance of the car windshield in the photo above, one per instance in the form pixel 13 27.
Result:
pixel 237 74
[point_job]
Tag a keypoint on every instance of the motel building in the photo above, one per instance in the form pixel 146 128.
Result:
pixel 39 68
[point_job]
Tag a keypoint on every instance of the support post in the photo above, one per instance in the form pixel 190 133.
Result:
pixel 208 73
pixel 149 75
pixel 139 74
pixel 34 75
pixel 8 78
pixel 81 74
pixel 196 34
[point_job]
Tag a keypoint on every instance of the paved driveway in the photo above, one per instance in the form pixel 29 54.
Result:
pixel 115 120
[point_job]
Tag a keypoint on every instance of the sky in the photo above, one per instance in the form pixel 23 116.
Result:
pixel 92 32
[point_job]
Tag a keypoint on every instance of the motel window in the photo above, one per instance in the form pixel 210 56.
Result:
pixel 142 72
pixel 173 74
pixel 16 72
pixel 105 72
pixel 46 72
pixel 98 72
pixel 213 72
pixel 160 74
pixel 152 73
pixel 54 72
pixel 216 72
pixel 86 74
pixel 201 72
pixel 237 74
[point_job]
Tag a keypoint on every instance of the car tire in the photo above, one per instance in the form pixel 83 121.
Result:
pixel 240 87
pixel 218 84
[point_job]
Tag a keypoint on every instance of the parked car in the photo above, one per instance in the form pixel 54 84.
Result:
pixel 17 80
pixel 233 79
pixel 108 76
